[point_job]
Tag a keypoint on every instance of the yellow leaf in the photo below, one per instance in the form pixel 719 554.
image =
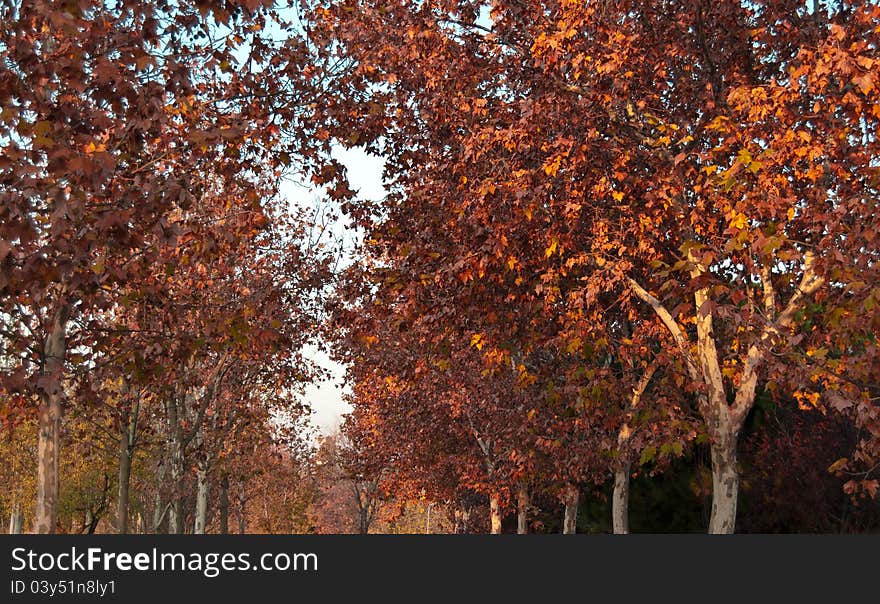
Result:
pixel 551 166
pixel 549 251
pixel 739 221
pixel 477 341
pixel 617 195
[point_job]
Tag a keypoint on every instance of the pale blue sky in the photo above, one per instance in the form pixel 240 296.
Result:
pixel 365 176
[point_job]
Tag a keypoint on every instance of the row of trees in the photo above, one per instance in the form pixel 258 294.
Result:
pixel 611 230
pixel 156 290
pixel 614 233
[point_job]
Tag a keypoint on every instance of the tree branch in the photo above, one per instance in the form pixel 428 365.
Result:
pixel 667 319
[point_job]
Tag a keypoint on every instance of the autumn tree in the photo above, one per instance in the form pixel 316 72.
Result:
pixel 713 162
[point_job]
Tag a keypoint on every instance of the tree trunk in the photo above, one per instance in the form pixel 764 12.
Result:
pixel 16 519
pixel 569 524
pixel 363 524
pixel 495 514
pixel 242 521
pixel 124 474
pixel 620 496
pixel 620 500
pixel 201 500
pixel 49 443
pixel 522 509
pixel 126 448
pixel 725 481
pixel 158 509
pixel 176 463
pixel 224 505
pixel 462 517
pixel 201 515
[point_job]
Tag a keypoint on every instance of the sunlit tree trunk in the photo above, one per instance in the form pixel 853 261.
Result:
pixel 724 419
pixel 201 502
pixel 495 514
pixel 522 509
pixel 569 523
pixel 16 519
pixel 725 476
pixel 49 439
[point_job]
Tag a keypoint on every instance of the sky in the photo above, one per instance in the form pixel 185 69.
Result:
pixel 326 398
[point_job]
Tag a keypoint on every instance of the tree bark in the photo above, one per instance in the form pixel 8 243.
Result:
pixel 620 496
pixel 725 479
pixel 495 514
pixel 49 440
pixel 462 518
pixel 201 515
pixel 569 523
pixel 363 522
pixel 158 509
pixel 224 505
pixel 126 449
pixel 722 419
pixel 620 500
pixel 522 509
pixel 16 519
pixel 176 463
pixel 124 474
pixel 201 501
pixel 242 521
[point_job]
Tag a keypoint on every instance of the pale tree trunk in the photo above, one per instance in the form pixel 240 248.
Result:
pixel 201 502
pixel 620 500
pixel 428 519
pixel 49 441
pixel 724 420
pixel 158 510
pixel 495 514
pixel 242 520
pixel 620 495
pixel 16 519
pixel 522 509
pixel 569 522
pixel 224 505
pixel 126 449
pixel 725 476
pixel 201 515
pixel 176 463
pixel 462 517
